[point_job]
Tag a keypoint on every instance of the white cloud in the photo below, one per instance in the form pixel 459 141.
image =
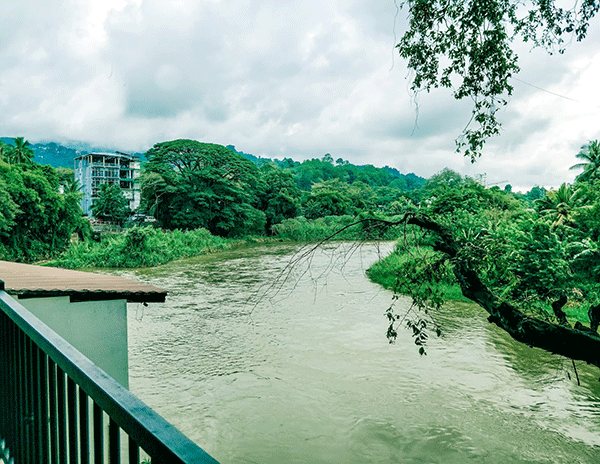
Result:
pixel 278 79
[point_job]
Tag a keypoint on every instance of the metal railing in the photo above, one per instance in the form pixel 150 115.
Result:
pixel 57 407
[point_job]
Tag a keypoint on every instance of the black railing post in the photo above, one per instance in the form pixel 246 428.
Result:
pixel 53 412
pixel 43 411
pixel 98 421
pixel 72 421
pixel 62 415
pixel 84 427
pixel 114 442
pixel 21 452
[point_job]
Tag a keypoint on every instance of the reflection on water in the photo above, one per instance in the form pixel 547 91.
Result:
pixel 259 370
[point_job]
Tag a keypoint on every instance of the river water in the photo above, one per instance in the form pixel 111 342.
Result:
pixel 260 365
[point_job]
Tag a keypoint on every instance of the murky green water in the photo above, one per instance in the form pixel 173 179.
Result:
pixel 256 369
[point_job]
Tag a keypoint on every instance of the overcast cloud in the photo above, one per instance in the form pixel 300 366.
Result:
pixel 277 79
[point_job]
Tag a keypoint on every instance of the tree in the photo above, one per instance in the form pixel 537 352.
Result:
pixel 189 185
pixel 5 152
pixel 36 220
pixel 561 205
pixel 323 203
pixel 536 271
pixel 8 210
pixel 111 204
pixel 279 196
pixel 21 153
pixel 466 45
pixel 454 257
pixel 535 194
pixel 329 198
pixel 590 154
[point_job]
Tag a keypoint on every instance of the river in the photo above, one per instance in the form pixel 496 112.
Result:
pixel 260 365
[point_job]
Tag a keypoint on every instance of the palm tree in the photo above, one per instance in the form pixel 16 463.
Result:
pixel 21 153
pixel 590 154
pixel 5 152
pixel 562 204
pixel 72 186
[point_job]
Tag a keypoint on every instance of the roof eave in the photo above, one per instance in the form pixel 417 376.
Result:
pixel 78 296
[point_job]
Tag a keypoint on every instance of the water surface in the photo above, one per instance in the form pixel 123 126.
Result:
pixel 260 369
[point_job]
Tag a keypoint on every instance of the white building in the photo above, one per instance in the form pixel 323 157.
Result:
pixel 118 168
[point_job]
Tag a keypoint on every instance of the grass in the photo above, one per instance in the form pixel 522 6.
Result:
pixel 346 227
pixel 385 272
pixel 143 247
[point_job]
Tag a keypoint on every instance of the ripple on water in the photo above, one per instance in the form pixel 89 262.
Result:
pixel 305 374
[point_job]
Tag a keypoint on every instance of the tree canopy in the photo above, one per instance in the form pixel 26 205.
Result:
pixel 531 263
pixel 36 219
pixel 18 153
pixel 111 204
pixel 590 156
pixel 467 45
pixel 189 185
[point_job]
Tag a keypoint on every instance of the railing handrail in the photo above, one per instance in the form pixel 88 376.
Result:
pixel 147 428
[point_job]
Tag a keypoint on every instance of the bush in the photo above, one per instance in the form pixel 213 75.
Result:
pixel 141 247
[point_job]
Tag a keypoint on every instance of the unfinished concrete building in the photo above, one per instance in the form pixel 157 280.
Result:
pixel 94 169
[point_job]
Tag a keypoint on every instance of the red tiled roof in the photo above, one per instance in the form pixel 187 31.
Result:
pixel 28 280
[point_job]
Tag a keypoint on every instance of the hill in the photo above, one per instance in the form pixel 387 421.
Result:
pixel 61 156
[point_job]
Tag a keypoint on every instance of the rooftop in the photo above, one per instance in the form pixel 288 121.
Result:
pixel 31 281
pixel 118 154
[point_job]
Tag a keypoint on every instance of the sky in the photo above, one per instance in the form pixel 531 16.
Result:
pixel 278 78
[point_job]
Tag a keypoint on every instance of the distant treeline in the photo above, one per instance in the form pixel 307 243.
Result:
pixel 188 186
pixel 343 170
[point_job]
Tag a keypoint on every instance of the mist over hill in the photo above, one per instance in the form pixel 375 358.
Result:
pixel 61 155
pixel 56 154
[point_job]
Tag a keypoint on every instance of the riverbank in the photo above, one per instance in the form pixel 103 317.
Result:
pixel 385 272
pixel 148 247
pixel 142 247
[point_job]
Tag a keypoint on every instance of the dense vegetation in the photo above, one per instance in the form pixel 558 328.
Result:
pixel 532 263
pixel 529 259
pixel 142 247
pixel 188 185
pixel 36 219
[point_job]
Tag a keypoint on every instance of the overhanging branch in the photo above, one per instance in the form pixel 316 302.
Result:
pixel 580 344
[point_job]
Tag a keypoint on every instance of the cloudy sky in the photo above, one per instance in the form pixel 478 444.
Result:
pixel 276 78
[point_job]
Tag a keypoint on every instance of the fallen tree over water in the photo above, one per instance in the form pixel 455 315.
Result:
pixel 578 343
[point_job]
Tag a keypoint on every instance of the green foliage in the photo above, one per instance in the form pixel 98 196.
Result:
pixel 19 152
pixel 411 263
pixel 467 45
pixel 327 203
pixel 528 257
pixel 590 154
pixel 560 206
pixel 141 247
pixel 302 229
pixel 189 185
pixel 279 196
pixel 111 204
pixel 365 227
pixel 8 210
pixel 36 220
